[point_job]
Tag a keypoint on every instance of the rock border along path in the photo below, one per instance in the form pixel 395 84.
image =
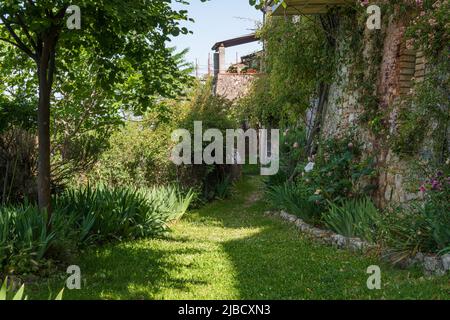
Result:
pixel 431 264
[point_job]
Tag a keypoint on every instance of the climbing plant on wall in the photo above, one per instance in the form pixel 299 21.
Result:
pixel 298 58
pixel 424 112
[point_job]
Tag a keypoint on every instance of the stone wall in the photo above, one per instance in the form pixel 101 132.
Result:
pixel 233 86
pixel 397 180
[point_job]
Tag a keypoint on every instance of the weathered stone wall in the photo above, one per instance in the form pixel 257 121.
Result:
pixel 233 86
pixel 397 180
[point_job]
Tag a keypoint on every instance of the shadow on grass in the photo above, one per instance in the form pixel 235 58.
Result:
pixel 127 271
pixel 230 249
pixel 279 263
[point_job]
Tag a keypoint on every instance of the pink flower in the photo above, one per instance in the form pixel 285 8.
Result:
pixel 364 3
pixel 410 44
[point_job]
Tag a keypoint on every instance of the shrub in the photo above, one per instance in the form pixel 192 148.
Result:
pixel 138 156
pixel 223 188
pixel 436 208
pixel 140 153
pixel 407 232
pixel 24 238
pixel 82 217
pixel 6 292
pixel 18 162
pixel 298 58
pixel 170 200
pixel 422 226
pixel 101 214
pixel 214 113
pixel 353 218
pixel 292 155
pixel 340 172
pixel 295 199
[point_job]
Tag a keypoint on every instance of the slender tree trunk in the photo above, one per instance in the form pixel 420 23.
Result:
pixel 46 65
pixel 315 131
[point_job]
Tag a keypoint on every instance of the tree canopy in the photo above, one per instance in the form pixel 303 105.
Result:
pixel 122 43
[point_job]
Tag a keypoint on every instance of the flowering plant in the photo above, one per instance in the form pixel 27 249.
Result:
pixel 436 207
pixel 292 155
pixel 430 29
pixel 337 171
pixel 437 183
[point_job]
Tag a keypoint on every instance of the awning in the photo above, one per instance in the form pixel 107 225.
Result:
pixel 300 7
pixel 236 41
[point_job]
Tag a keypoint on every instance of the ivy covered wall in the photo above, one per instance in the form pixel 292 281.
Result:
pixel 407 134
pixel 335 77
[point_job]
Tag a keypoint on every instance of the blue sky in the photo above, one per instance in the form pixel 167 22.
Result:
pixel 217 20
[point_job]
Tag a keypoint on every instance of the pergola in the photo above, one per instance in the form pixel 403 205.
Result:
pixel 235 41
pixel 219 48
pixel 302 7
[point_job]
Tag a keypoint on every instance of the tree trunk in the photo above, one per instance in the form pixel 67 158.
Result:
pixel 46 65
pixel 318 117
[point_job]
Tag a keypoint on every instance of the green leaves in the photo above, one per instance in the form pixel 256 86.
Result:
pixel 24 239
pixel 353 218
pixel 296 199
pixel 260 4
pixel 5 291
pixel 117 38
pixel 298 58
pixel 60 295
pixel 101 214
pixel 20 294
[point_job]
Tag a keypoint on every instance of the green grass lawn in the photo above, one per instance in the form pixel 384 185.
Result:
pixel 231 250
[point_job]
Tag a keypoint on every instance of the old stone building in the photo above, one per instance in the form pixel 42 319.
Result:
pixel 234 82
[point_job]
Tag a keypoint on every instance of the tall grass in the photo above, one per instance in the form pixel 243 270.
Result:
pixel 416 228
pixel 103 213
pixel 223 188
pixel 82 217
pixel 353 218
pixel 294 198
pixel 6 292
pixel 24 237
pixel 169 199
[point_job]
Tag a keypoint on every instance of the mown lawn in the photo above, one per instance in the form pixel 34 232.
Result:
pixel 231 250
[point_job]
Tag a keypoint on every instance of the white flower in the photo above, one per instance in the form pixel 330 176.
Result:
pixel 309 167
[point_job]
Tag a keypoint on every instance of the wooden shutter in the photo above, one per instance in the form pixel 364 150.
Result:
pixel 412 67
pixel 419 75
pixel 407 68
